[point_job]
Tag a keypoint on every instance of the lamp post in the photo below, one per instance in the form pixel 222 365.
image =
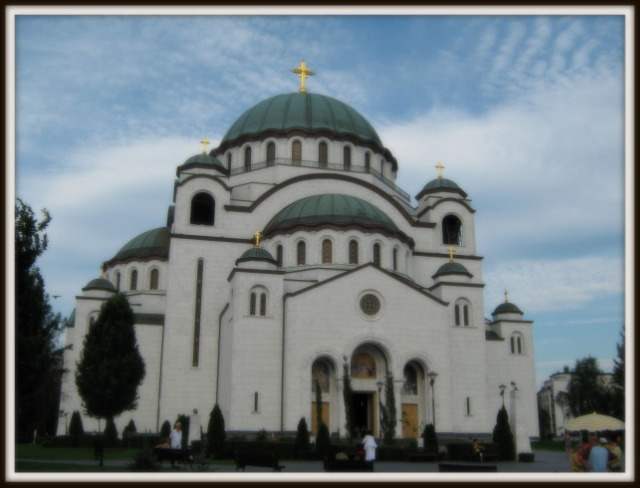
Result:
pixel 502 388
pixel 432 379
pixel 380 384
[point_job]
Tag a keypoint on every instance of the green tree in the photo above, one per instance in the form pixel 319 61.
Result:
pixel 544 423
pixel 617 407
pixel 388 411
pixel 323 441
pixel 111 368
pixel 585 391
pixel 129 433
pixel 347 395
pixel 76 429
pixel 301 443
pixel 503 437
pixel 110 433
pixel 216 434
pixel 38 360
pixel 430 438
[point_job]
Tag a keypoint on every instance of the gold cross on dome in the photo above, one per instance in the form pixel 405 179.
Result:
pixel 257 236
pixel 506 296
pixel 451 251
pixel 204 143
pixel 440 167
pixel 303 72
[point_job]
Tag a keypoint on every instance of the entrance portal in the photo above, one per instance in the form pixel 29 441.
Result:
pixel 364 413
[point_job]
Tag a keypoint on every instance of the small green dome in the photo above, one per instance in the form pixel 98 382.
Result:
pixel 309 112
pixel 332 208
pixel 507 307
pixel 99 284
pixel 153 243
pixel 452 268
pixel 205 159
pixel 441 184
pixel 256 254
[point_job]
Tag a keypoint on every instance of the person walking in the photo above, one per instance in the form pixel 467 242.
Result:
pixel 370 446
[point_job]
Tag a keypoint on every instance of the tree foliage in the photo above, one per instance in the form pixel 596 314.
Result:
pixel 323 441
pixel 388 414
pixel 216 434
pixel 76 429
pixel 165 429
pixel 617 407
pixel 111 368
pixel 503 437
pixel 347 394
pixel 586 392
pixel 544 423
pixel 38 360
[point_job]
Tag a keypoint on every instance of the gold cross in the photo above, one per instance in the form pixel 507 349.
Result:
pixel 204 143
pixel 257 235
pixel 303 73
pixel 506 296
pixel 439 166
pixel 451 251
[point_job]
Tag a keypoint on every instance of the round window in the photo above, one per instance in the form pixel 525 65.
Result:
pixel 370 304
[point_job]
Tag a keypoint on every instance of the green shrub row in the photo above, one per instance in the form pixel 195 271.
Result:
pixel 138 441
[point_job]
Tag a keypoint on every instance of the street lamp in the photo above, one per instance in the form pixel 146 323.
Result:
pixel 502 388
pixel 432 379
pixel 380 384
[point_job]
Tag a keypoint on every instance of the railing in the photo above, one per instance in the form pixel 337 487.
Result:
pixel 318 165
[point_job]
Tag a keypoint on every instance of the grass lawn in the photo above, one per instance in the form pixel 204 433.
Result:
pixel 45 467
pixel 554 446
pixel 29 451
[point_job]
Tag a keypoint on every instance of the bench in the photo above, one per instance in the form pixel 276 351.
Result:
pixel 461 468
pixel 262 460
pixel 419 455
pixel 342 465
pixel 173 455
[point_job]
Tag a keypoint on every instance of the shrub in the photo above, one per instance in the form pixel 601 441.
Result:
pixel 110 433
pixel 301 444
pixel 216 434
pixel 262 435
pixel 526 457
pixel 323 441
pixel 76 430
pixel 144 460
pixel 430 438
pixel 390 453
pixel 129 433
pixel 503 437
pixel 165 429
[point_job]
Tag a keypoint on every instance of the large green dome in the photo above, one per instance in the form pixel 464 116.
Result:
pixel 309 112
pixel 151 244
pixel 333 209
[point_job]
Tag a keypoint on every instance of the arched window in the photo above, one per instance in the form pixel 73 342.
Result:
pixel 451 230
pixel 197 315
pixel 252 304
pixel 247 158
pixel 263 304
pixel 516 344
pixel 321 376
pixel 376 254
pixel 118 281
pixel 461 313
pixel 410 386
pixel 279 255
pixel 271 153
pixel 302 253
pixel 395 259
pixel 363 366
pixel 296 152
pixel 229 161
pixel 353 251
pixel 134 280
pixel 347 157
pixel 202 209
pixel 327 251
pixel 92 320
pixel 323 158
pixel 367 162
pixel 153 279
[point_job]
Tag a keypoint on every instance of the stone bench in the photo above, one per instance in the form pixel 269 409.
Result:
pixel 262 460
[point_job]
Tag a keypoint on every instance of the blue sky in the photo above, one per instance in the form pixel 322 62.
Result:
pixel 526 113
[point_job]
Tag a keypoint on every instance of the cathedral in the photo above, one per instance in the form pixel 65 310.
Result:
pixel 289 253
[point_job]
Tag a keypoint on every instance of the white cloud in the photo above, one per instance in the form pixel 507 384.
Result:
pixel 543 284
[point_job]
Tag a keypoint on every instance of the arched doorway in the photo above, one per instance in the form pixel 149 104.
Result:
pixel 322 372
pixel 368 368
pixel 413 399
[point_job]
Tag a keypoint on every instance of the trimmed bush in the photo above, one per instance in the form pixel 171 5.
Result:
pixel 165 430
pixel 323 441
pixel 526 457
pixel 503 437
pixel 301 444
pixel 110 434
pixel 144 460
pixel 390 453
pixel 76 430
pixel 430 438
pixel 216 435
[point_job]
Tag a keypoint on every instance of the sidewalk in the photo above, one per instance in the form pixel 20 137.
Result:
pixel 545 462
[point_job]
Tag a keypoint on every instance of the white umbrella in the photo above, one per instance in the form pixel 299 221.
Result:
pixel 594 422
